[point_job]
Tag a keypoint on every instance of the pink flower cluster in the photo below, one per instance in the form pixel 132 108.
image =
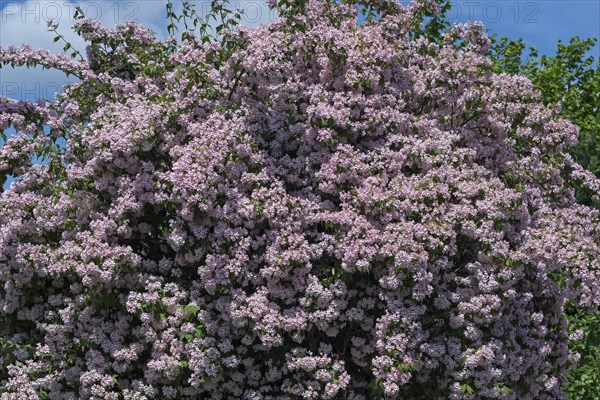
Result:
pixel 333 211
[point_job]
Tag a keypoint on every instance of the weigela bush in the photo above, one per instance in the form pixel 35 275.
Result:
pixel 309 209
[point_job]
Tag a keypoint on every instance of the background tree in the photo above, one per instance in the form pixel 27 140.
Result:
pixel 570 78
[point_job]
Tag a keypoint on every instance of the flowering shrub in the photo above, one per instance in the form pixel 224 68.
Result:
pixel 308 209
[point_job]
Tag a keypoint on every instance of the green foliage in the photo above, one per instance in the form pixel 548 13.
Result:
pixel 207 31
pixel 436 23
pixel 467 388
pixel 584 381
pixel 53 27
pixel 572 78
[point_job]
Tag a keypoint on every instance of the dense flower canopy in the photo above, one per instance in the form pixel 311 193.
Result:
pixel 311 209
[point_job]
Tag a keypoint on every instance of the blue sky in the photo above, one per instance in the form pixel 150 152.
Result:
pixel 541 23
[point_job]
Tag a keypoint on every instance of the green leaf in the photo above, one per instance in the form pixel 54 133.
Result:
pixel 466 388
pixel 191 308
